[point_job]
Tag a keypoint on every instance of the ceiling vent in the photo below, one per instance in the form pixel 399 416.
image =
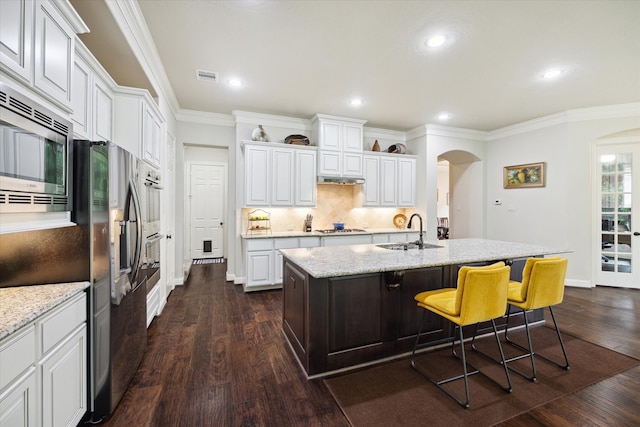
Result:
pixel 210 76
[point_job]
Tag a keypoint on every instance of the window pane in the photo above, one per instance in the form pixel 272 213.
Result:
pixel 624 203
pixel 608 202
pixel 624 162
pixel 608 222
pixel 608 163
pixel 608 185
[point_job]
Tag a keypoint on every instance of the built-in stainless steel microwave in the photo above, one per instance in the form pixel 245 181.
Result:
pixel 35 146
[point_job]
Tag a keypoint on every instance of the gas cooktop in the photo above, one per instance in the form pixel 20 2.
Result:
pixel 344 230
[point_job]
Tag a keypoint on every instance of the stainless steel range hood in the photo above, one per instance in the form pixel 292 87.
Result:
pixel 339 180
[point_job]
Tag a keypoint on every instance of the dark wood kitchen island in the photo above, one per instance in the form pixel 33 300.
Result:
pixel 348 306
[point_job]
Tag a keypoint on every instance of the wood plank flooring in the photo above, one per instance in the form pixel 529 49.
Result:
pixel 217 357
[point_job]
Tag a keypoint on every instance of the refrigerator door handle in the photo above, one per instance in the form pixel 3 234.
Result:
pixel 138 224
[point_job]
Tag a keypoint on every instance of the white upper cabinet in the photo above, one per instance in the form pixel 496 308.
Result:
pixel 406 181
pixel 152 136
pixel 81 98
pixel 305 178
pixel 371 175
pixel 282 171
pixel 390 180
pixel 91 98
pixel 339 143
pixel 257 167
pixel 138 124
pixel 37 40
pixel 279 175
pixel 16 37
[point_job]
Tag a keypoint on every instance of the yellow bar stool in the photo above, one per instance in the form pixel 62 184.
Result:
pixel 481 295
pixel 542 286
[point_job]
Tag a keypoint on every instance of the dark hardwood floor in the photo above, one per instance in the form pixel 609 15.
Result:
pixel 217 357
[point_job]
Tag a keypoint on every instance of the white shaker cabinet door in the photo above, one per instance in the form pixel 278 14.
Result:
pixel 260 268
pixel 81 99
pixel 371 186
pixel 282 169
pixel 18 402
pixel 305 178
pixel 388 182
pixel 16 42
pixel 64 382
pixel 102 112
pixel 406 182
pixel 257 176
pixel 352 138
pixel 54 48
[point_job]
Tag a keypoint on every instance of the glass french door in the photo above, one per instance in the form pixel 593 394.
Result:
pixel 618 171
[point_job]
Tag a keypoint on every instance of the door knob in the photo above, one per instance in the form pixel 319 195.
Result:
pixel 168 236
pixel 221 223
pixel 636 233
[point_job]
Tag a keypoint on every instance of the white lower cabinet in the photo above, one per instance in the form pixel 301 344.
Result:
pixel 263 260
pixel 395 237
pixel 63 379
pixel 18 402
pixel 353 239
pixel 43 369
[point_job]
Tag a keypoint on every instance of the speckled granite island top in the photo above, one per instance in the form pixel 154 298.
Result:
pixel 22 304
pixel 359 259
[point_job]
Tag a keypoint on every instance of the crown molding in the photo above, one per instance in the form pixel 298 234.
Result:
pixel 452 132
pixel 271 120
pixel 192 116
pixel 569 116
pixel 67 10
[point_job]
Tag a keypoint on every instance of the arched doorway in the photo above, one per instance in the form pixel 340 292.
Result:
pixel 461 178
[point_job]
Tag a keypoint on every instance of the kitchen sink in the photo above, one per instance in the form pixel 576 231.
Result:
pixel 405 246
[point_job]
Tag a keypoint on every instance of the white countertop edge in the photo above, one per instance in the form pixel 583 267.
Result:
pixel 20 305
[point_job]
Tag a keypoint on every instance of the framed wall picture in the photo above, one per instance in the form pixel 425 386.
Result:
pixel 523 176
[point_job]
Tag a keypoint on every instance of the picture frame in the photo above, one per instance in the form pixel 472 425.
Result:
pixel 524 176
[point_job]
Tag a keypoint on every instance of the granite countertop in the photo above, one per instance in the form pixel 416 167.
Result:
pixel 359 259
pixel 20 305
pixel 281 234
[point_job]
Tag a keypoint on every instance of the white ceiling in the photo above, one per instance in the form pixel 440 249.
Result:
pixel 299 58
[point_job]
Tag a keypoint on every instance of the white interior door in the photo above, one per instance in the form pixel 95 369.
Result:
pixel 618 214
pixel 207 182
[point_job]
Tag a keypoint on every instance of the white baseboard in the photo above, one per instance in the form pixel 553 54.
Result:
pixel 578 283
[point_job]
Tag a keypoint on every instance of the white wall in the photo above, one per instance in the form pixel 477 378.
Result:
pixel 196 141
pixel 559 214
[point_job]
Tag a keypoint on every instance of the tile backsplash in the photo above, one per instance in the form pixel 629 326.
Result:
pixel 335 203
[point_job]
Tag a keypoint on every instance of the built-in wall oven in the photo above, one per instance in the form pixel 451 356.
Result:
pixel 151 189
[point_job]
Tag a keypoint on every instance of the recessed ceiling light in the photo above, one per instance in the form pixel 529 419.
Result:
pixel 552 74
pixel 444 116
pixel 235 82
pixel 436 41
pixel 356 102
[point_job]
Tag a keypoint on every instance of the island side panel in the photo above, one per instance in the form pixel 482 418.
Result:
pixel 435 328
pixel 294 310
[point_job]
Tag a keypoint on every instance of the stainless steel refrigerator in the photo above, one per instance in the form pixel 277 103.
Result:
pixel 105 199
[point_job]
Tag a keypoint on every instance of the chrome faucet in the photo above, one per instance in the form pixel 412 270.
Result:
pixel 420 241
